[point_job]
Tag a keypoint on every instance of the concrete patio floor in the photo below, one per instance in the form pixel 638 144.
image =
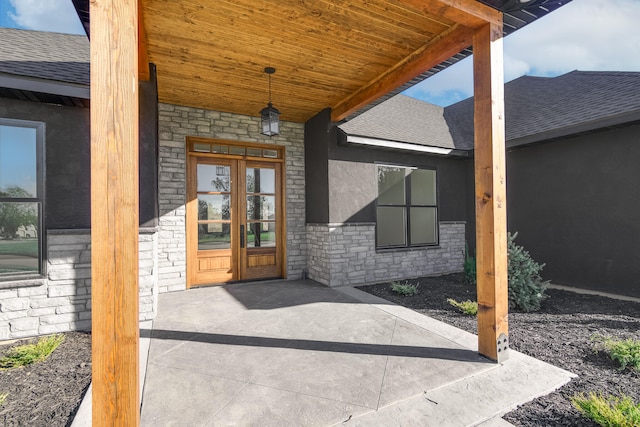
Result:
pixel 296 353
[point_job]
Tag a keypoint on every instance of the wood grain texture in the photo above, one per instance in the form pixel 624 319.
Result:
pixel 326 53
pixel 114 212
pixel 440 49
pixel 490 178
pixel 143 58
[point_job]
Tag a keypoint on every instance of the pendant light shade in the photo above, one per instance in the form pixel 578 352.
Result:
pixel 270 115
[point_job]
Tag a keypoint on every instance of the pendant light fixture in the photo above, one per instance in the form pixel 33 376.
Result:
pixel 270 115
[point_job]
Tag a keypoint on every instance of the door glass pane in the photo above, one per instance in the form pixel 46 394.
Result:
pixel 423 187
pixel 391 185
pixel 214 236
pixel 261 180
pixel 214 178
pixel 18 166
pixel 204 148
pixel 261 207
pixel 261 235
pixel 18 238
pixel 423 226
pixel 272 154
pixel 254 152
pixel 220 149
pixel 236 150
pixel 214 207
pixel 390 226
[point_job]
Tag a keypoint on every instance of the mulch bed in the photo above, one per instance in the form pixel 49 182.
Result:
pixel 47 393
pixel 560 334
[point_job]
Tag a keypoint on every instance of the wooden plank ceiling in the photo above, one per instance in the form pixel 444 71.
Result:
pixel 327 53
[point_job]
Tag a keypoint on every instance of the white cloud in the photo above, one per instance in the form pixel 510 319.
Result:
pixel 587 35
pixel 46 15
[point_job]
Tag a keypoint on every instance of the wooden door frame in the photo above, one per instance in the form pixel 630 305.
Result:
pixel 191 195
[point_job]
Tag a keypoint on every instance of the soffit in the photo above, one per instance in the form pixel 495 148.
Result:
pixel 341 54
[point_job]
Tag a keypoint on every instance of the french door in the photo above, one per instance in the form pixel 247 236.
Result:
pixel 234 219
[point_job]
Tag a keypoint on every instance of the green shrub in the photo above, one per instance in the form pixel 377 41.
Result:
pixel 469 267
pixel 31 353
pixel 526 287
pixel 624 352
pixel 404 289
pixel 608 411
pixel 467 307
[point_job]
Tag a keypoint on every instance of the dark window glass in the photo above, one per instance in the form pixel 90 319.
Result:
pixel 20 198
pixel 406 207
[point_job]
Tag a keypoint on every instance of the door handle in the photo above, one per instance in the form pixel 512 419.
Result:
pixel 242 236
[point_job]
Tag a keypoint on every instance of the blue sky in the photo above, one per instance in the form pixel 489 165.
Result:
pixel 586 35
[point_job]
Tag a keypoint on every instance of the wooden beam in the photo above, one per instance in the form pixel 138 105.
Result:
pixel 440 49
pixel 143 57
pixel 114 212
pixel 470 13
pixel 491 195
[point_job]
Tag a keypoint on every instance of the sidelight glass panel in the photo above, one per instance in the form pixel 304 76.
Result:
pixel 18 165
pixel 423 226
pixel 391 226
pixel 391 185
pixel 214 178
pixel 261 180
pixel 214 236
pixel 261 235
pixel 19 234
pixel 423 187
pixel 261 207
pixel 213 207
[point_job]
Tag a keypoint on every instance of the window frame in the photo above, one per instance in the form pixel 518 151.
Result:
pixel 407 207
pixel 38 199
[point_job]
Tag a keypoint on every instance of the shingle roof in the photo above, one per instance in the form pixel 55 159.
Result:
pixel 536 107
pixel 50 56
pixel 403 119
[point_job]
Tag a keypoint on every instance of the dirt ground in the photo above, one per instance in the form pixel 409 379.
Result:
pixel 49 393
pixel 560 334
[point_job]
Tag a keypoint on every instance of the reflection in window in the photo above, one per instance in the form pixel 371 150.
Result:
pixel 20 198
pixel 406 207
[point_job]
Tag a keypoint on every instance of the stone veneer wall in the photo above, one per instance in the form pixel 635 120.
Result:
pixel 62 301
pixel 178 122
pixel 345 254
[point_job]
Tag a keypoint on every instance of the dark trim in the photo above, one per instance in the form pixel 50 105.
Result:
pixel 628 118
pixel 40 198
pixel 33 84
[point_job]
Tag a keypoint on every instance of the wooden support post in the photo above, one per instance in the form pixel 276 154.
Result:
pixel 491 202
pixel 114 212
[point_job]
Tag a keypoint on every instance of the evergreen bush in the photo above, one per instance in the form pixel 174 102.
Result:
pixel 526 287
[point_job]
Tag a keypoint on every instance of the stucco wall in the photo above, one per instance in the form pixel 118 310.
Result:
pixel 574 203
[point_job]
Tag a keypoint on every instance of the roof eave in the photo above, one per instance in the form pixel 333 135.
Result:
pixel 53 87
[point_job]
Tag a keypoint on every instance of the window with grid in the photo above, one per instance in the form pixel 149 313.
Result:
pixel 21 198
pixel 407 211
